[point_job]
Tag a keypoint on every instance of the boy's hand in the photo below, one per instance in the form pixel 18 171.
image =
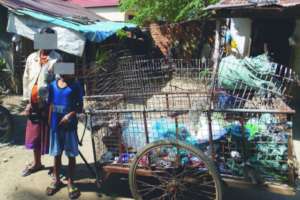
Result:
pixel 64 120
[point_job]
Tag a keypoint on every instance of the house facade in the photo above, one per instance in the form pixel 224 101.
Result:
pixel 108 9
pixel 260 25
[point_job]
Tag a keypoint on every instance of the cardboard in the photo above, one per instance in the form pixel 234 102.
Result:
pixel 64 68
pixel 46 41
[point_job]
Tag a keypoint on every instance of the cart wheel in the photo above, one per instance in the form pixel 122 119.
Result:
pixel 172 170
pixel 6 124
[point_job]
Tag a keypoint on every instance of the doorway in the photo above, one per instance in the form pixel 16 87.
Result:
pixel 272 36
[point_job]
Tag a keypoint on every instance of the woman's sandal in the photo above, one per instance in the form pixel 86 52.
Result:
pixel 54 188
pixel 30 170
pixel 74 192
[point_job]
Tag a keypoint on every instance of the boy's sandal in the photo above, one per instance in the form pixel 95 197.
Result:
pixel 54 188
pixel 74 192
pixel 61 175
pixel 30 170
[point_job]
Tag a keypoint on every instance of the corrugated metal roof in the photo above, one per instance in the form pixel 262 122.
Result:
pixel 95 3
pixel 260 3
pixel 57 8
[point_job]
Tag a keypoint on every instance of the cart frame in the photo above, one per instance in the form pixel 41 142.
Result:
pixel 113 101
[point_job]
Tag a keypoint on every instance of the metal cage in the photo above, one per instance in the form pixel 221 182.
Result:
pixel 139 97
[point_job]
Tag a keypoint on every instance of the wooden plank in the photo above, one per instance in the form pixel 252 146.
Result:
pixel 125 170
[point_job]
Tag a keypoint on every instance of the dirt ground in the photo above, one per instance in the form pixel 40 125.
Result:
pixel 14 157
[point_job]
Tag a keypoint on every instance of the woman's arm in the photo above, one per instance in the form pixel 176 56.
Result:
pixel 26 92
pixel 26 80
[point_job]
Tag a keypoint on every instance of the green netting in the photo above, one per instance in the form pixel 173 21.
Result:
pixel 247 70
pixel 267 149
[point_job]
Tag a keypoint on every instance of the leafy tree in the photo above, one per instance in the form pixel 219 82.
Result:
pixel 165 10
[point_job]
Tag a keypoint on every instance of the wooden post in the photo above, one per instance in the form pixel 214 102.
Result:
pixel 244 139
pixel 98 180
pixel 215 59
pixel 216 53
pixel 146 127
pixel 211 139
pixel 291 169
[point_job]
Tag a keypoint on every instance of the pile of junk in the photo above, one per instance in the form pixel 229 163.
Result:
pixel 264 155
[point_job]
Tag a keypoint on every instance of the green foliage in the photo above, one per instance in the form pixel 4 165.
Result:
pixel 204 73
pixel 165 10
pixel 2 64
pixel 101 57
pixel 121 34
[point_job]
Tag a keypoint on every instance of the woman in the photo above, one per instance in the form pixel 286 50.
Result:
pixel 37 76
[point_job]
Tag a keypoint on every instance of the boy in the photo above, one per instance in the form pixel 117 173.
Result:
pixel 66 100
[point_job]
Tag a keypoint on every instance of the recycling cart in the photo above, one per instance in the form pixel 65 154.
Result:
pixel 180 127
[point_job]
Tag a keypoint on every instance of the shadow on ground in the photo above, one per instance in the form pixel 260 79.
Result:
pixel 18 135
pixel 115 186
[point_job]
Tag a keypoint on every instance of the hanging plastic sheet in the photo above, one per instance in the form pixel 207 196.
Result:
pixel 68 40
pixel 71 35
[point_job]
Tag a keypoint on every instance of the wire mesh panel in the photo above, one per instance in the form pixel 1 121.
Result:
pixel 143 81
pixel 143 76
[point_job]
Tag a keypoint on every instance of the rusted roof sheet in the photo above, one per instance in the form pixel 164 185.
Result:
pixel 95 3
pixel 57 8
pixel 254 3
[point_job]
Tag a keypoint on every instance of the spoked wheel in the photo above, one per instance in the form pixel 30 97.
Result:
pixel 5 124
pixel 172 170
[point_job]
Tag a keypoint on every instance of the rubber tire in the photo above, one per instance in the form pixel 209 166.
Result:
pixel 5 136
pixel 204 158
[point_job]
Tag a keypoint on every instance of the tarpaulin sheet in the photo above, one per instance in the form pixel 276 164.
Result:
pixel 95 32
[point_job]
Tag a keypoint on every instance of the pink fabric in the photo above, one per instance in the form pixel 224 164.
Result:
pixel 95 3
pixel 37 137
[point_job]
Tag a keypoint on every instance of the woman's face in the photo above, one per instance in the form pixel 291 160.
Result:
pixel 45 52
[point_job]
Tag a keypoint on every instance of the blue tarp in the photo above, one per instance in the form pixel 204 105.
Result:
pixel 95 32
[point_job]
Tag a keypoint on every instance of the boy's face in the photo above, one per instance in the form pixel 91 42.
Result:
pixel 68 77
